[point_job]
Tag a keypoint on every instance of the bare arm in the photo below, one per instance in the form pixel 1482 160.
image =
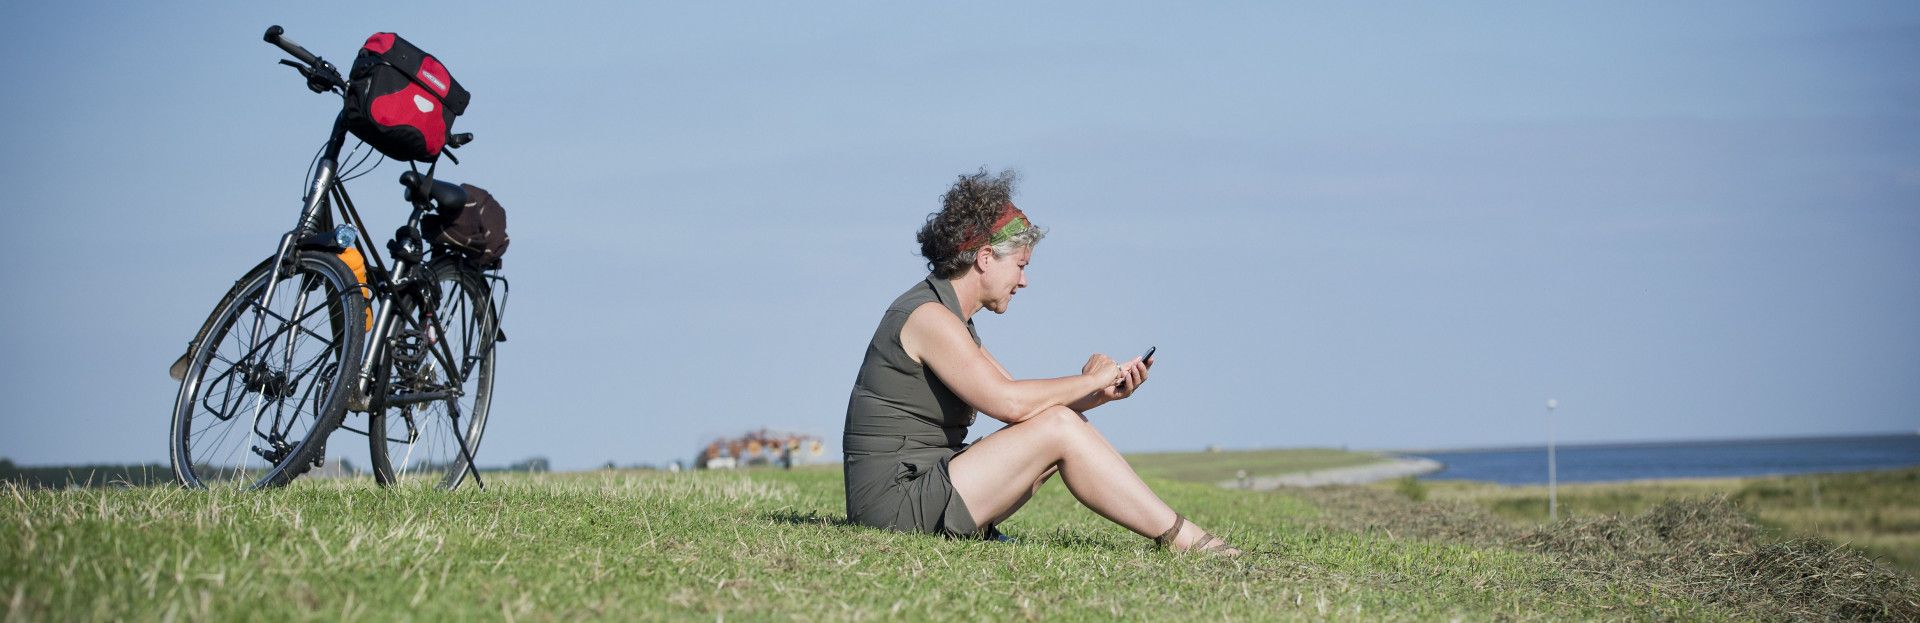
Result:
pixel 1089 401
pixel 936 338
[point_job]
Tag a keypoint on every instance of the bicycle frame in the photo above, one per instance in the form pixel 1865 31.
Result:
pixel 388 287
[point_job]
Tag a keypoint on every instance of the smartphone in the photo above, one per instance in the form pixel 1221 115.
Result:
pixel 1144 358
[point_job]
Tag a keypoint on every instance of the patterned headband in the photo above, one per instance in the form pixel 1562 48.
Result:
pixel 1012 222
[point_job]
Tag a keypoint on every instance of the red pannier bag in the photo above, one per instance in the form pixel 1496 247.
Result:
pixel 401 100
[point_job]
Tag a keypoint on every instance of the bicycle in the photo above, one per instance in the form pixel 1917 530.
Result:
pixel 300 340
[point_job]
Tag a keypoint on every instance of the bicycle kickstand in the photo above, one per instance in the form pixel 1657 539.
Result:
pixel 454 416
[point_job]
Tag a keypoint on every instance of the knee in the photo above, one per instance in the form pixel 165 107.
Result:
pixel 1059 420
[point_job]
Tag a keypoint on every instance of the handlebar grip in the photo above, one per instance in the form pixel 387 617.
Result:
pixel 274 36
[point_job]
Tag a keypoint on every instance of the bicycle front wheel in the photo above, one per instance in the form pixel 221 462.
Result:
pixel 267 380
pixel 439 383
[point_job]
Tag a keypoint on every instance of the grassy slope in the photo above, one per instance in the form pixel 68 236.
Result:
pixel 1878 512
pixel 759 544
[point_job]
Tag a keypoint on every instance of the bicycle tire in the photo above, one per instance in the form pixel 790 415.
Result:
pixel 416 443
pixel 292 356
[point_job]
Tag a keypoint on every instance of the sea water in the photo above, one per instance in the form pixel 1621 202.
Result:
pixel 1694 459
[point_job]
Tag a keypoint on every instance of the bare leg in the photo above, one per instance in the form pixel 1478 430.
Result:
pixel 1024 497
pixel 1000 472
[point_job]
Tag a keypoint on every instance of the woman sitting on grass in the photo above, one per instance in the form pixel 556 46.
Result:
pixel 925 374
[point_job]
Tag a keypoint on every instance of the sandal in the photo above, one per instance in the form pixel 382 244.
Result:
pixel 1165 540
pixel 1208 543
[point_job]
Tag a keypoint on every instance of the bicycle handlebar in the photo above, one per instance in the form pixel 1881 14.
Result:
pixel 274 36
pixel 317 68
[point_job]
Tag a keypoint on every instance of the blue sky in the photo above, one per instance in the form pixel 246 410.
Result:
pixel 1389 226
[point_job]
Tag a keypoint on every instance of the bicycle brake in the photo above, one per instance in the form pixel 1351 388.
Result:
pixel 319 79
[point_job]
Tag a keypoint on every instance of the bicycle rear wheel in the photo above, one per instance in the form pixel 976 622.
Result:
pixel 267 380
pixel 447 348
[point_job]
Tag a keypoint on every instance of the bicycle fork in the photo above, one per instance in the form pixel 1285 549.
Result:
pixel 285 259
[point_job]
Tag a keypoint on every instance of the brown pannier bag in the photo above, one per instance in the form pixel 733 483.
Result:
pixel 477 230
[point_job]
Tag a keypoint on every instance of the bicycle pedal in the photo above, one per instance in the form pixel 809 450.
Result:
pixel 409 346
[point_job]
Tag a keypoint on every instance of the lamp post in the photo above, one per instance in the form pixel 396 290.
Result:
pixel 1553 497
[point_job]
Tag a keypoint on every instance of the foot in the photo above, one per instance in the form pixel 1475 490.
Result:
pixel 1207 543
pixel 1184 536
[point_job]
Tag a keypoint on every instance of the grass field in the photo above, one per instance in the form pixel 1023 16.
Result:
pixel 768 544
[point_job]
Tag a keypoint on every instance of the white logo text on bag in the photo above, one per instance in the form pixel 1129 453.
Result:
pixel 438 84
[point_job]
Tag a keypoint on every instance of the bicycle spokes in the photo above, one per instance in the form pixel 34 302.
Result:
pixel 261 393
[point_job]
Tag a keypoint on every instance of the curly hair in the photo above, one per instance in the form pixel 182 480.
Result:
pixel 968 209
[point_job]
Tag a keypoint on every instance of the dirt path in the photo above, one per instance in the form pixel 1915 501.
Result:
pixel 1356 475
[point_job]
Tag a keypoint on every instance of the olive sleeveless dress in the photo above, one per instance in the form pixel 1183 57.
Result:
pixel 903 425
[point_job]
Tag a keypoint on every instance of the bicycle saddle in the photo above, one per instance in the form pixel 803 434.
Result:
pixel 443 194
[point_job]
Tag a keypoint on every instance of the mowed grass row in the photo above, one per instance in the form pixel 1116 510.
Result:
pixel 760 544
pixel 1877 512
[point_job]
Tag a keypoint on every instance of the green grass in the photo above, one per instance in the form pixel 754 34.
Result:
pixel 768 544
pixel 1876 512
pixel 1214 467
